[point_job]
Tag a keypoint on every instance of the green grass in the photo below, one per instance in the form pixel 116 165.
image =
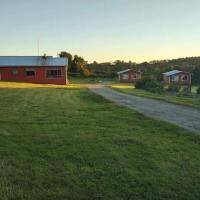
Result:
pixel 70 144
pixel 78 80
pixel 193 100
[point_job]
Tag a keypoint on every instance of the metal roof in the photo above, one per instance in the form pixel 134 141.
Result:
pixel 32 61
pixel 124 71
pixel 173 72
pixel 128 70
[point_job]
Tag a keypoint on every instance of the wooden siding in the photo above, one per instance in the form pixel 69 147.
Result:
pixel 129 77
pixel 18 74
pixel 178 78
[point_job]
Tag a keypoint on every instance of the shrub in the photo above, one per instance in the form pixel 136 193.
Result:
pixel 186 91
pixel 174 88
pixel 150 85
pixel 198 90
pixel 141 84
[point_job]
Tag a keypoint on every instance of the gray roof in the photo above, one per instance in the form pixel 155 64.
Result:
pixel 173 72
pixel 127 70
pixel 124 71
pixel 32 61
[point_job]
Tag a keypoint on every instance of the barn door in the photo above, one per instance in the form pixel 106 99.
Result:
pixel 0 76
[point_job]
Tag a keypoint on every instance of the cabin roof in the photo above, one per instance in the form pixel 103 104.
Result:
pixel 32 61
pixel 126 70
pixel 173 72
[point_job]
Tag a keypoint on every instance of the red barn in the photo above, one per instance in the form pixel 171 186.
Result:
pixel 34 69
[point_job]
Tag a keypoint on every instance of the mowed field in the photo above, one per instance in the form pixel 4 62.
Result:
pixel 67 143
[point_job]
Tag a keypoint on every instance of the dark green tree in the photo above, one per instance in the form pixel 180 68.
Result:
pixel 79 66
pixel 196 75
pixel 64 54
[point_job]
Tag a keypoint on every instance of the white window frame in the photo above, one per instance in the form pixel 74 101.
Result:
pixel 30 70
pixel 56 69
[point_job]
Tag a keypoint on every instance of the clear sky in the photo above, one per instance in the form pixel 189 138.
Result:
pixel 101 30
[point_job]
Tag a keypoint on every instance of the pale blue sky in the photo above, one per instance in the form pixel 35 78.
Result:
pixel 103 30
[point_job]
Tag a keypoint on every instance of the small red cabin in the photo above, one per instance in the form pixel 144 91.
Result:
pixel 129 76
pixel 34 69
pixel 177 77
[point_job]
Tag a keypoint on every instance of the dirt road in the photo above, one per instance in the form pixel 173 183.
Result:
pixel 183 116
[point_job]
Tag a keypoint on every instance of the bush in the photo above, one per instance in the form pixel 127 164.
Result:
pixel 141 84
pixel 186 91
pixel 174 88
pixel 198 90
pixel 150 85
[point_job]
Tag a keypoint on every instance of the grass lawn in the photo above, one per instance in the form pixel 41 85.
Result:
pixel 77 80
pixel 59 143
pixel 193 100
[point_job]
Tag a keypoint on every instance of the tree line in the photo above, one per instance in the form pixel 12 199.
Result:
pixel 153 69
pixel 77 65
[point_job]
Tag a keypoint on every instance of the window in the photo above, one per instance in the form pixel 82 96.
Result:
pixel 53 73
pixel 175 78
pixel 134 76
pixel 14 72
pixel 30 72
pixel 125 76
pixel 185 78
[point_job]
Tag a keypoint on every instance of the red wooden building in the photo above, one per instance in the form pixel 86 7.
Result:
pixel 177 77
pixel 129 76
pixel 34 69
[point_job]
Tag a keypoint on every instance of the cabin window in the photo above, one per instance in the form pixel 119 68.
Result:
pixel 134 76
pixel 14 71
pixel 53 73
pixel 175 78
pixel 185 78
pixel 125 76
pixel 30 72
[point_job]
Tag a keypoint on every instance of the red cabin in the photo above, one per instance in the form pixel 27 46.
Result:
pixel 177 77
pixel 34 69
pixel 129 76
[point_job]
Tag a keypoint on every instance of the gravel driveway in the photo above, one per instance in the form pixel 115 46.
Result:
pixel 183 116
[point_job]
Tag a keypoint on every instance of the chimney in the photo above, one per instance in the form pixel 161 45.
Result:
pixel 44 56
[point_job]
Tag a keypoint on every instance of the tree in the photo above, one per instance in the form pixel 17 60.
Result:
pixel 79 65
pixel 64 54
pixel 196 75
